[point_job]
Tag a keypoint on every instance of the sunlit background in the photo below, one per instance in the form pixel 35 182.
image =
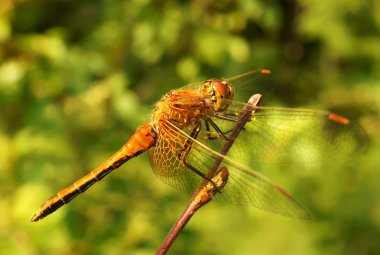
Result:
pixel 78 77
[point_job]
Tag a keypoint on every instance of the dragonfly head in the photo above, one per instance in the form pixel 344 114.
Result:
pixel 220 94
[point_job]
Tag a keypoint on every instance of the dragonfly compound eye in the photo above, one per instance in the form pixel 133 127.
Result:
pixel 222 95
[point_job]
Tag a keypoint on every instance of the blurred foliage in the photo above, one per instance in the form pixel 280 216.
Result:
pixel 78 77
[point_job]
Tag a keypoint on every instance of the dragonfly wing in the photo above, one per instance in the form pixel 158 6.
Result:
pixel 252 82
pixel 247 187
pixel 244 187
pixel 165 159
pixel 283 135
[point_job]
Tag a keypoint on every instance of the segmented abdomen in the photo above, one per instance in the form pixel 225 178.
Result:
pixel 140 141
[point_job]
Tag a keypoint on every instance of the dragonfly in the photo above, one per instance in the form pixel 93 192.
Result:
pixel 189 125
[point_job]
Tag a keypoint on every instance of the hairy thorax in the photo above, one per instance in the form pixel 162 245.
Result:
pixel 182 108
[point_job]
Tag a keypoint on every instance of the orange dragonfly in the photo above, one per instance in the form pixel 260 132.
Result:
pixel 189 125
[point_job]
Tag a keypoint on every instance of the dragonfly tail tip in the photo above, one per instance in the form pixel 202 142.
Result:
pixel 36 217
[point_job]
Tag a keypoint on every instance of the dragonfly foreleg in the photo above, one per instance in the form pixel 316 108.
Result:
pixel 209 122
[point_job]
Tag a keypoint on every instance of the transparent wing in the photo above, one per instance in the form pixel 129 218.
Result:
pixel 252 82
pixel 245 85
pixel 244 187
pixel 283 135
pixel 248 78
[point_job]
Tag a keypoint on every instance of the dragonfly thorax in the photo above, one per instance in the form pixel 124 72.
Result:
pixel 185 107
pixel 220 94
pixel 181 108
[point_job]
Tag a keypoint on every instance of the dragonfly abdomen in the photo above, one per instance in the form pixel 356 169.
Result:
pixel 140 141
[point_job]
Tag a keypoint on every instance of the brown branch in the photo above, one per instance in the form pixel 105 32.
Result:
pixel 208 190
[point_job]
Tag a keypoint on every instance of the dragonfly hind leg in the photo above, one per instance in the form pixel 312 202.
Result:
pixel 185 151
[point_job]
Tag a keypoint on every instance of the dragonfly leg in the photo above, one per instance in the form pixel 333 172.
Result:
pixel 228 117
pixel 183 154
pixel 209 122
pixel 189 142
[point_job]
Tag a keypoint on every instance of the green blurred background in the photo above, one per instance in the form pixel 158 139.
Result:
pixel 78 77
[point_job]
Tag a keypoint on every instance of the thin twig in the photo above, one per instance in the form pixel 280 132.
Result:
pixel 207 190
